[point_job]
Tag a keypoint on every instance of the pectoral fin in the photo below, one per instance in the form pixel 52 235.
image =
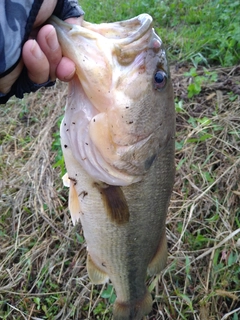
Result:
pixel 66 180
pixel 96 275
pixel 160 258
pixel 73 201
pixel 115 203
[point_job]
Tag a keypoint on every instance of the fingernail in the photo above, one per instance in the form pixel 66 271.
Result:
pixel 35 50
pixel 70 76
pixel 52 40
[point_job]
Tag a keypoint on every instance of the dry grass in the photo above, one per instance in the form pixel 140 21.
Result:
pixel 42 256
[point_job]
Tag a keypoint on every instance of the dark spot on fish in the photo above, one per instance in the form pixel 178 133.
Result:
pixel 86 143
pixel 114 202
pixel 75 174
pixel 65 146
pixel 73 123
pixel 73 179
pixel 67 130
pixel 65 124
pixel 127 107
pixel 83 194
pixel 94 120
pixel 149 162
pixel 103 264
pixel 142 69
pixel 130 122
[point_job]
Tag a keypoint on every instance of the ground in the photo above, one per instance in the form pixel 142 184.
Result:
pixel 43 256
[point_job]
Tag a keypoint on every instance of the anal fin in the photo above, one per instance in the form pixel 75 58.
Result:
pixel 73 201
pixel 159 260
pixel 96 275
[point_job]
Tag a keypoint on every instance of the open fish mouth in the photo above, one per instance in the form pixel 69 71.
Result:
pixel 112 120
pixel 128 35
pixel 123 32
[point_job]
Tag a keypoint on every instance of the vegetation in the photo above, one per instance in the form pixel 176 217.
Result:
pixel 203 31
pixel 43 257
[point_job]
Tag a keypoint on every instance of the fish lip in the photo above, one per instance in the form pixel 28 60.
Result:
pixel 125 45
pixel 141 24
pixel 144 21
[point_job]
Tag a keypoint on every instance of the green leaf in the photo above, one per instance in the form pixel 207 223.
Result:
pixel 108 293
pixel 80 238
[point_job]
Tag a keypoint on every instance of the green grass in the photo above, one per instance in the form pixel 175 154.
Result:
pixel 204 32
pixel 43 257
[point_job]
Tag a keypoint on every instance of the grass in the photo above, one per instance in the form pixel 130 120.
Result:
pixel 43 257
pixel 203 32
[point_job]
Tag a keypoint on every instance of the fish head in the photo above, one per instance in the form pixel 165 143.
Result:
pixel 121 99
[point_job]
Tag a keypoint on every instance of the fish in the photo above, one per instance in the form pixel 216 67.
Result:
pixel 118 142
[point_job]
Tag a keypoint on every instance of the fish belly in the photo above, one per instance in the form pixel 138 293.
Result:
pixel 124 251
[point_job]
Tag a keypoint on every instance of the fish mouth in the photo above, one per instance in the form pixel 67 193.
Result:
pixel 105 55
pixel 140 27
pixel 129 37
pixel 124 32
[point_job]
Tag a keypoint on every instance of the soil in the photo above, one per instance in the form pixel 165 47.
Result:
pixel 43 257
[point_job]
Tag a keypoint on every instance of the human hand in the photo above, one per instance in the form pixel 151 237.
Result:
pixel 42 54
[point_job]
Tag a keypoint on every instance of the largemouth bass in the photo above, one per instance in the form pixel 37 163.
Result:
pixel 117 138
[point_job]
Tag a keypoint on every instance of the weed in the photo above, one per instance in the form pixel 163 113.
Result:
pixel 43 257
pixel 194 88
pixel 203 32
pixel 56 146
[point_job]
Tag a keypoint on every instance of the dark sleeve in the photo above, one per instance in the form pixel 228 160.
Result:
pixel 68 9
pixel 64 9
pixel 24 85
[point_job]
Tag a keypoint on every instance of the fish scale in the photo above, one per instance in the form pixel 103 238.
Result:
pixel 120 177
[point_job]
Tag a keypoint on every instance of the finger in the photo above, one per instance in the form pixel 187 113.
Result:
pixel 36 62
pixel 66 69
pixel 48 42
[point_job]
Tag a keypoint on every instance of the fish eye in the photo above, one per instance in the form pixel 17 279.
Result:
pixel 160 80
